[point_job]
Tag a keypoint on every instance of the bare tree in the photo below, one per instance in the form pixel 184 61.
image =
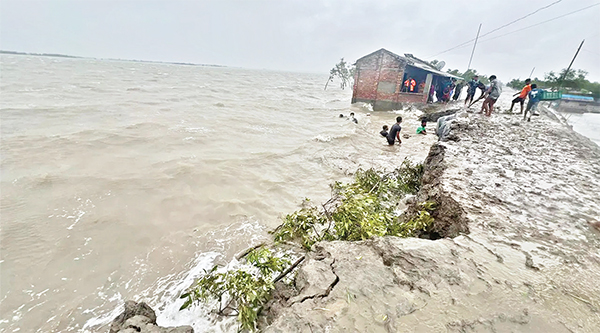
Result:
pixel 343 71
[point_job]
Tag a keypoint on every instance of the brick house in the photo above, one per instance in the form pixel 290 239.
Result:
pixel 379 80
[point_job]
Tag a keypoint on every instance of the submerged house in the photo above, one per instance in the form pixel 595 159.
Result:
pixel 380 79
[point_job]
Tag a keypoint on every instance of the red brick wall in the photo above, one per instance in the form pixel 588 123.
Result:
pixel 379 78
pixel 412 98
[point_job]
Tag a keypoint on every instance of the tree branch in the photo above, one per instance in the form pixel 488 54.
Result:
pixel 289 269
pixel 248 250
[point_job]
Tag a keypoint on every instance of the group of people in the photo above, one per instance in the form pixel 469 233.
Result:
pixel 531 91
pixel 492 92
pixel 410 86
pixel 450 89
pixel 394 134
pixel 351 117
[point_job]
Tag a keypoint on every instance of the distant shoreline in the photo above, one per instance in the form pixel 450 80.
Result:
pixel 56 55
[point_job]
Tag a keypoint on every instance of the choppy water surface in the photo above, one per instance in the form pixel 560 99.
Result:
pixel 122 180
pixel 587 124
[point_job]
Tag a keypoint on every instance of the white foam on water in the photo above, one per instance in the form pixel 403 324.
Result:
pixel 163 295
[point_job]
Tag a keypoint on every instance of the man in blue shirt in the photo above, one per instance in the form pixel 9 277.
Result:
pixel 535 96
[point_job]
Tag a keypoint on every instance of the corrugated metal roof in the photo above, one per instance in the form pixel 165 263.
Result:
pixel 434 71
pixel 413 61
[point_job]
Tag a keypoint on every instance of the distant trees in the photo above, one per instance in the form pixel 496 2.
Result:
pixel 469 74
pixel 343 71
pixel 574 80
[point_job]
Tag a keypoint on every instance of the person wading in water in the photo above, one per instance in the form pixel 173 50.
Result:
pixel 395 132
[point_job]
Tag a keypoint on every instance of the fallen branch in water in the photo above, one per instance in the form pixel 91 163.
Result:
pixel 248 250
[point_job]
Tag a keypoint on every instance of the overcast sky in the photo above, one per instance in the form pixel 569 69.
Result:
pixel 307 35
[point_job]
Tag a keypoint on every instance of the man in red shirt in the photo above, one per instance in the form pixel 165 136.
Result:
pixel 522 95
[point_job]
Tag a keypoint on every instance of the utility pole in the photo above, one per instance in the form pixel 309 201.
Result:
pixel 562 79
pixel 568 68
pixel 476 38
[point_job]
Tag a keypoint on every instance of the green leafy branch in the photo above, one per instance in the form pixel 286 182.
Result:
pixel 358 210
pixel 239 292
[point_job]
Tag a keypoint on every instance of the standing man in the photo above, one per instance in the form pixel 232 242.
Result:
pixel 522 96
pixel 458 90
pixel 494 92
pixel 395 132
pixel 535 95
pixel 472 87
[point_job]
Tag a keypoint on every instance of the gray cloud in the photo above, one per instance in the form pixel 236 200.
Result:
pixel 306 35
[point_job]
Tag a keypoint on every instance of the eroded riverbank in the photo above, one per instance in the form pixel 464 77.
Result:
pixel 521 196
pixel 531 262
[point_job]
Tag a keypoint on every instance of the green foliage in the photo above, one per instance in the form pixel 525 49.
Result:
pixel 298 226
pixel 574 80
pixel 409 177
pixel 357 211
pixel 468 75
pixel 263 259
pixel 343 71
pixel 361 209
pixel 516 84
pixel 239 292
pixel 360 216
pixel 422 222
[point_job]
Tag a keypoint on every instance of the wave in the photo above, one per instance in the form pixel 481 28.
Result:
pixel 163 293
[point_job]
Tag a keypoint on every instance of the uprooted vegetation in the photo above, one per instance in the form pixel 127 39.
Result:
pixel 360 210
pixel 356 211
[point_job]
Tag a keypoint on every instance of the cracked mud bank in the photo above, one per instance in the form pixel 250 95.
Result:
pixel 531 262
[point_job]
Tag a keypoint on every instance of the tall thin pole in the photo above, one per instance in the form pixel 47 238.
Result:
pixel 530 74
pixel 472 52
pixel 562 79
pixel 568 68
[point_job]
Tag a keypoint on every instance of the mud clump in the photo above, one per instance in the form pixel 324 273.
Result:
pixel 434 116
pixel 449 218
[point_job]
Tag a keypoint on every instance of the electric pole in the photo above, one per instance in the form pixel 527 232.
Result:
pixel 472 52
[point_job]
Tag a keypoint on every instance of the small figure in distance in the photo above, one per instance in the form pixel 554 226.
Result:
pixel 422 129
pixel 534 99
pixel 472 88
pixel 352 118
pixel 384 132
pixel 522 96
pixel 395 132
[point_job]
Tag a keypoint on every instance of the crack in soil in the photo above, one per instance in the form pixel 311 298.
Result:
pixel 329 289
